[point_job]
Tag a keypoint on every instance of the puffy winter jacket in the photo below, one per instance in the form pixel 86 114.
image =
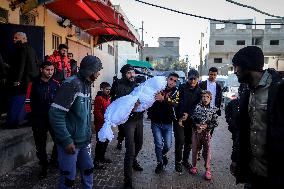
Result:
pixel 100 105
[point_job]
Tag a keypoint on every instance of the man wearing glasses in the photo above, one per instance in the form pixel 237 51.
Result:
pixel 162 115
pixel 190 95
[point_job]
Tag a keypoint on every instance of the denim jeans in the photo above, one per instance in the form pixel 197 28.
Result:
pixel 16 113
pixel 67 164
pixel 162 134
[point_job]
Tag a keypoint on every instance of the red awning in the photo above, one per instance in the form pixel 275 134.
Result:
pixel 94 17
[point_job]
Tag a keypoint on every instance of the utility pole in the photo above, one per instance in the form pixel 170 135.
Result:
pixel 142 41
pixel 200 54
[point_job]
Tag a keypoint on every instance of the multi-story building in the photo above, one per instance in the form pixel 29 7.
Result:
pixel 166 53
pixel 226 39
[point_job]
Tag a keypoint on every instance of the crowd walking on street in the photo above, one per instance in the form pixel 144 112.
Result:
pixel 61 104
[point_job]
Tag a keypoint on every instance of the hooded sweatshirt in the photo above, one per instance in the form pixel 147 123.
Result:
pixel 70 114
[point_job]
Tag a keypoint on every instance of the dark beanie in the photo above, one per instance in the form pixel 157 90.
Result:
pixel 90 65
pixel 124 69
pixel 250 57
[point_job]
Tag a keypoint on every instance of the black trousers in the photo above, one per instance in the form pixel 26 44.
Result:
pixel 133 130
pixel 100 149
pixel 182 141
pixel 121 135
pixel 40 131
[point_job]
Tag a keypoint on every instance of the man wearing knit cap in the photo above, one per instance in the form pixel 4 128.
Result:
pixel 261 136
pixel 132 129
pixel 70 117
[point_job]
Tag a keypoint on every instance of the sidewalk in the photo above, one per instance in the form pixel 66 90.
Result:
pixel 26 177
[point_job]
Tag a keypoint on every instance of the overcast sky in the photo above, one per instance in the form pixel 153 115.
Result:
pixel 162 23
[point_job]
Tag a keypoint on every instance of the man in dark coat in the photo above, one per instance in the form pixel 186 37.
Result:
pixel 190 96
pixel 261 136
pixel 24 68
pixel 43 92
pixel 133 128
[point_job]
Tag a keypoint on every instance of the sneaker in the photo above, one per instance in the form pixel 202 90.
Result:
pixel 119 146
pixel 186 164
pixel 106 160
pixel 178 167
pixel 193 170
pixel 98 166
pixel 207 175
pixel 159 168
pixel 136 166
pixel 165 160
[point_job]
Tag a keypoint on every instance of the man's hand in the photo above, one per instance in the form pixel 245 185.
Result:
pixel 70 149
pixel 136 105
pixel 233 168
pixel 159 97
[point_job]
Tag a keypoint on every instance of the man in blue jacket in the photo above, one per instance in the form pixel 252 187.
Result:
pixel 70 117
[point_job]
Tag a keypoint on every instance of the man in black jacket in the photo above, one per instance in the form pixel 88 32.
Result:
pixel 24 68
pixel 133 128
pixel 215 88
pixel 190 95
pixel 43 92
pixel 261 136
pixel 162 115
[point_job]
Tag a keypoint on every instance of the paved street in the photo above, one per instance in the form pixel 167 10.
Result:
pixel 26 177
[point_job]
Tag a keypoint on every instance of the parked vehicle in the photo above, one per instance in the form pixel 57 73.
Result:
pixel 230 90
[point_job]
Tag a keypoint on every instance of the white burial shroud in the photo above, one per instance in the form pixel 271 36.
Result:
pixel 119 110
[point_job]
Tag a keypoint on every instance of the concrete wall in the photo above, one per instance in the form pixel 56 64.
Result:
pixel 17 148
pixel 231 33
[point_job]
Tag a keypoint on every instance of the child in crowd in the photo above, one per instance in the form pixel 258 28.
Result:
pixel 205 119
pixel 101 103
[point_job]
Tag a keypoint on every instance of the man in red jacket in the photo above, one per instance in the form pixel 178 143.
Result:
pixel 101 103
pixel 61 62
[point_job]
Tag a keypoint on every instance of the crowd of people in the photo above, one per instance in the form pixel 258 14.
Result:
pixel 61 104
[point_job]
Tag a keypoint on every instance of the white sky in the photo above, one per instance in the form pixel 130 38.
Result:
pixel 162 23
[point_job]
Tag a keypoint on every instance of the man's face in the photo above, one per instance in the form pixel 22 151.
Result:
pixel 192 81
pixel 47 72
pixel 172 81
pixel 130 75
pixel 206 99
pixel 70 56
pixel 242 75
pixel 106 90
pixel 94 76
pixel 18 38
pixel 212 76
pixel 63 52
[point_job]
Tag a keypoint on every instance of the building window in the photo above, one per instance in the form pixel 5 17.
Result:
pixel 241 27
pixel 3 16
pixel 274 42
pixel 56 41
pixel 241 42
pixel 27 19
pixel 100 47
pixel 218 60
pixel 275 26
pixel 219 42
pixel 220 26
pixel 110 50
pixel 149 58
pixel 84 36
pixel 257 41
pixel 169 43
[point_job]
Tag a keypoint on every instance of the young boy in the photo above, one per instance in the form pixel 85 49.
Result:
pixel 205 119
pixel 101 103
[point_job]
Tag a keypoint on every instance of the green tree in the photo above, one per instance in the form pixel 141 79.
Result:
pixel 179 65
